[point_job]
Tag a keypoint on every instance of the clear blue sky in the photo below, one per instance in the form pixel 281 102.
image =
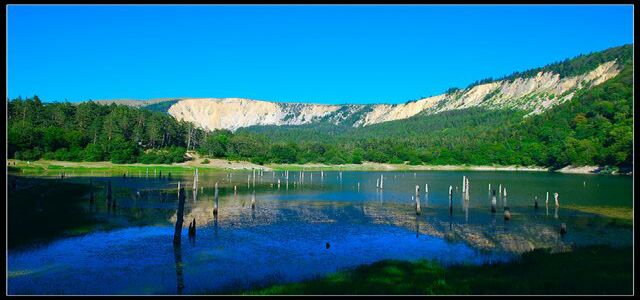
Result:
pixel 321 54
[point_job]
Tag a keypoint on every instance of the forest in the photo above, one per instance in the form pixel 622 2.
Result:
pixel 594 128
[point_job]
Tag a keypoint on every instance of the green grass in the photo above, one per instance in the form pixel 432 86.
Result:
pixel 587 270
pixel 619 215
pixel 55 167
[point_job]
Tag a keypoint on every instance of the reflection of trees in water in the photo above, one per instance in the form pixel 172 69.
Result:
pixel 177 253
pixel 523 233
pixel 521 236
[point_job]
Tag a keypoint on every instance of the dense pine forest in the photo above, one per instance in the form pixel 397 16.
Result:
pixel 92 132
pixel 594 128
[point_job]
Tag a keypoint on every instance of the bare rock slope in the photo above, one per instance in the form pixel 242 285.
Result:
pixel 533 94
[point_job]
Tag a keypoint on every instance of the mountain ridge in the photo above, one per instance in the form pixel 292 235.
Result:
pixel 534 91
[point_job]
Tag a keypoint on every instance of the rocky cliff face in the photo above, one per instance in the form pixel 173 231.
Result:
pixel 533 94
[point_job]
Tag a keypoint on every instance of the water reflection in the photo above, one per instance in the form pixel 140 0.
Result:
pixel 285 230
pixel 177 252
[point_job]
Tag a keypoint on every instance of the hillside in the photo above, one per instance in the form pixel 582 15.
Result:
pixel 580 126
pixel 533 91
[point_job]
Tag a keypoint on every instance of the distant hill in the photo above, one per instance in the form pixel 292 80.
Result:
pixel 533 91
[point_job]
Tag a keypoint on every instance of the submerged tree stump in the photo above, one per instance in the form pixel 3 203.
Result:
pixel 215 198
pixel 177 235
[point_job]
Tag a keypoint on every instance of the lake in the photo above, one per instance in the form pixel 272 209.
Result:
pixel 305 227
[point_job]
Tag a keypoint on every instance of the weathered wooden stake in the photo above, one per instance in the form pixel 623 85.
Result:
pixel 215 197
pixel 546 202
pixel 426 188
pixel 418 211
pixel 381 180
pixel 507 215
pixel 192 228
pixel 177 235
pixel 555 196
pixel 450 200
pixel 464 183
pixel 417 190
pixel 253 200
pixel 494 202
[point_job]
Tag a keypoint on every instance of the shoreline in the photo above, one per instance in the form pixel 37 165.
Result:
pixel 227 165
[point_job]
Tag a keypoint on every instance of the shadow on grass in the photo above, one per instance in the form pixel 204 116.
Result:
pixel 585 271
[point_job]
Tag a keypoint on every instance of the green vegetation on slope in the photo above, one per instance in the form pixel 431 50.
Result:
pixel 93 132
pixel 590 270
pixel 593 128
pixel 572 66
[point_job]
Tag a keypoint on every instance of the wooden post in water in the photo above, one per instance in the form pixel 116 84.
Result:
pixel 426 188
pixel 507 215
pixel 377 183
pixel 192 228
pixel 215 198
pixel 546 202
pixel 358 185
pixel 464 183
pixel 278 183
pixel 555 196
pixel 253 200
pixel 489 187
pixel 235 189
pixel 417 190
pixel 381 180
pixel 504 199
pixel 450 200
pixel 417 205
pixel 177 235
pixel 535 202
pixel 494 202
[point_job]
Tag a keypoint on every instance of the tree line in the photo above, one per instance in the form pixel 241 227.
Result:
pixel 594 128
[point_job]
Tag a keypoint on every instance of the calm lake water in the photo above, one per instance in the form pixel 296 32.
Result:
pixel 285 237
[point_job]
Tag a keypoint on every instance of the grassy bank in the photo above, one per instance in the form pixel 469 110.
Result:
pixel 620 215
pixel 588 270
pixel 42 166
pixel 54 167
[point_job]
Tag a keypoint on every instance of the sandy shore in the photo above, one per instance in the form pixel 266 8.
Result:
pixel 224 164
